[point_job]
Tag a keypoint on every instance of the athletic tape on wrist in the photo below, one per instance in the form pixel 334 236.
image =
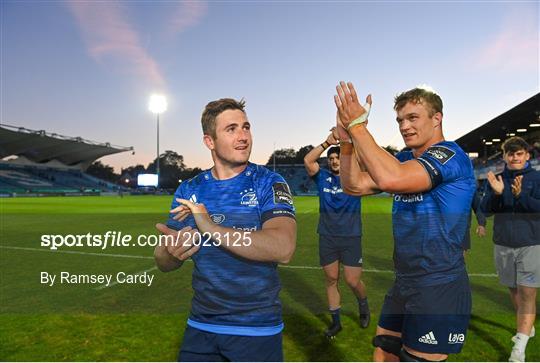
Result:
pixel 363 117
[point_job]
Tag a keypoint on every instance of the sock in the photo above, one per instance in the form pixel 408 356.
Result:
pixel 363 306
pixel 335 316
pixel 521 341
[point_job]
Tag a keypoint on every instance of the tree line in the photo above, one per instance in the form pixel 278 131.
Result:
pixel 172 168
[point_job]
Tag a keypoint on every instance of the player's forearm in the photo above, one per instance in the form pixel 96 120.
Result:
pixel 383 167
pixel 164 260
pixel 266 245
pixel 310 160
pixel 354 180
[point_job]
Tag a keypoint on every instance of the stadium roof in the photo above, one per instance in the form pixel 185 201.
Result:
pixel 41 147
pixel 521 117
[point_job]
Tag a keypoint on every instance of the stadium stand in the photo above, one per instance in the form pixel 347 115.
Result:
pixel 484 143
pixel 35 162
pixel 297 178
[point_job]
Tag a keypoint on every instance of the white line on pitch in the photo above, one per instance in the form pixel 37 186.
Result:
pixel 77 252
pixel 151 258
pixel 116 282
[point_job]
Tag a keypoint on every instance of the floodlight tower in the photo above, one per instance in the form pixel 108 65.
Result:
pixel 157 105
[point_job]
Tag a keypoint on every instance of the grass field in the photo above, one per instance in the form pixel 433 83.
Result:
pixel 141 323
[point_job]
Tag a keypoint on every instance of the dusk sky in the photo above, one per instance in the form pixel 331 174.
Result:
pixel 88 68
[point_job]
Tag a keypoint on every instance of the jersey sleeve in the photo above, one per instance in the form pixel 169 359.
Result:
pixel 443 164
pixel 319 177
pixel 275 198
pixel 181 192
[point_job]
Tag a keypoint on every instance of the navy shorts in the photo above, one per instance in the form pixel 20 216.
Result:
pixel 347 250
pixel 431 319
pixel 202 346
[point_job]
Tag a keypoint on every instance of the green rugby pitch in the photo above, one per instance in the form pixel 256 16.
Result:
pixel 140 323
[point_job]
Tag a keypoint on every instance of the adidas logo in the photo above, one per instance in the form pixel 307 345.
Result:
pixel 429 338
pixel 193 199
pixel 329 179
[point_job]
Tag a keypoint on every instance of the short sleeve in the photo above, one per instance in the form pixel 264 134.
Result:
pixel 320 176
pixel 275 198
pixel 443 164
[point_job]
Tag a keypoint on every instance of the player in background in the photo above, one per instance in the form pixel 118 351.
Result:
pixel 514 197
pixel 340 233
pixel 480 218
pixel 426 312
pixel 236 222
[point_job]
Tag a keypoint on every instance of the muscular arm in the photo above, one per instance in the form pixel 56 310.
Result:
pixel 310 160
pixel 275 242
pixel 386 171
pixel 354 180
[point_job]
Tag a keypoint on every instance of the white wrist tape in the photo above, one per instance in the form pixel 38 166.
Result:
pixel 363 117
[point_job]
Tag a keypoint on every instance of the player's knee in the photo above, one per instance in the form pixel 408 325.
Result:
pixel 388 343
pixel 526 293
pixel 331 281
pixel 352 281
pixel 405 356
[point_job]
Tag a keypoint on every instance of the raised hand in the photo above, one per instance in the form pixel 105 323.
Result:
pixel 496 183
pixel 346 100
pixel 333 138
pixel 516 186
pixel 341 130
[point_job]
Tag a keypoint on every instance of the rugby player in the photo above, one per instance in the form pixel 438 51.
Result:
pixel 514 198
pixel 426 312
pixel 244 217
pixel 340 233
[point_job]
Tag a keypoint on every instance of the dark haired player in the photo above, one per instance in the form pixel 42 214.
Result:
pixel 340 233
pixel 245 216
pixel 514 198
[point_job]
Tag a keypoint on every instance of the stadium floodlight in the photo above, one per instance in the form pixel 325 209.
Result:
pixel 534 125
pixel 489 143
pixel 157 105
pixel 521 130
pixel 496 140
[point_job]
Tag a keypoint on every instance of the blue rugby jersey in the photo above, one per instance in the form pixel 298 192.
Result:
pixel 430 227
pixel 233 295
pixel 339 212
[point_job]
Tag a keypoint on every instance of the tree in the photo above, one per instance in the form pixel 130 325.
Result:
pixel 391 149
pixel 101 171
pixel 171 167
pixel 302 152
pixel 283 156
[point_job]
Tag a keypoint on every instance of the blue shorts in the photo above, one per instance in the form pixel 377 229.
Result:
pixel 431 319
pixel 201 346
pixel 346 249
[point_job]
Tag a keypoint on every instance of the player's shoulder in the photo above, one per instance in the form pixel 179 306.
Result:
pixel 445 152
pixel 194 181
pixel 324 172
pixel 404 155
pixel 261 174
